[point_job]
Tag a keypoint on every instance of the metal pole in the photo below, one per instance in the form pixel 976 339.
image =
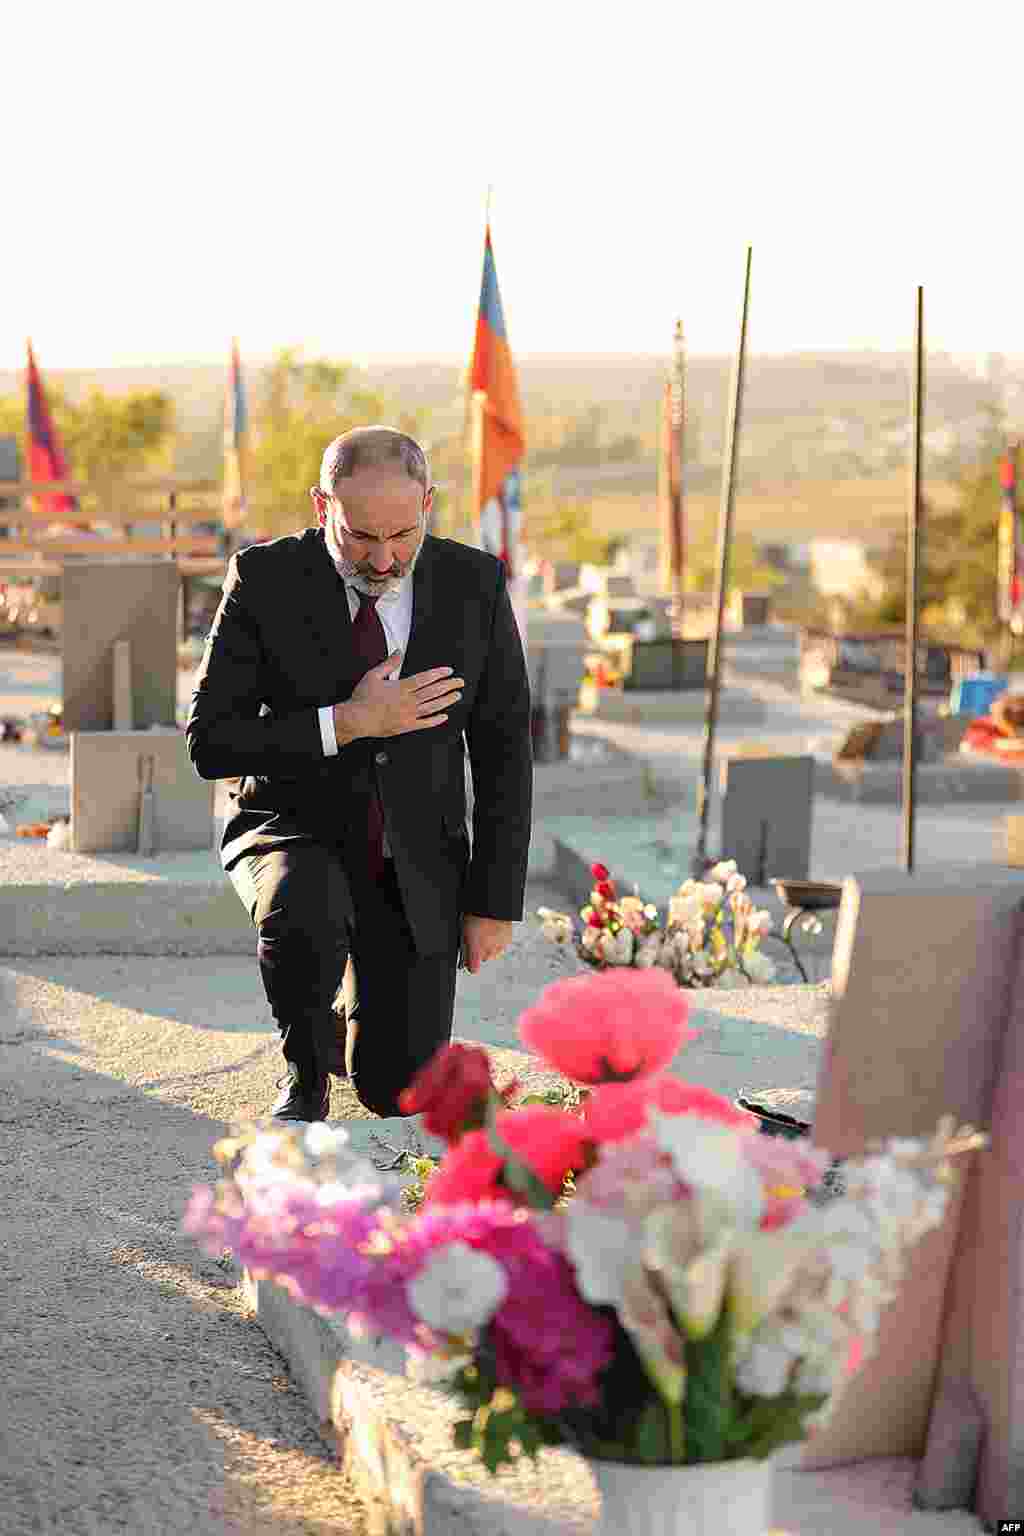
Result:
pixel 913 574
pixel 676 486
pixel 725 513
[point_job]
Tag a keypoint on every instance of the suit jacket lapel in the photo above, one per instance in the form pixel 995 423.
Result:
pixel 324 606
pixel 426 635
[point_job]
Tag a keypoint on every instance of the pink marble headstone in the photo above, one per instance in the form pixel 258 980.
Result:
pixel 927 1019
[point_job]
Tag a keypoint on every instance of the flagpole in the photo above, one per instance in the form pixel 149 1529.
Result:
pixel 725 518
pixel 678 429
pixel 913 581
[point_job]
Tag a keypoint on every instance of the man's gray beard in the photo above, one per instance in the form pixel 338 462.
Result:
pixel 350 572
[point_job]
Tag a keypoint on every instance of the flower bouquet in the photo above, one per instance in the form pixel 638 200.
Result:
pixel 712 937
pixel 645 1278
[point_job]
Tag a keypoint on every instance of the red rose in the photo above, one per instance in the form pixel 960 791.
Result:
pixel 451 1091
pixel 599 871
pixel 607 890
pixel 595 920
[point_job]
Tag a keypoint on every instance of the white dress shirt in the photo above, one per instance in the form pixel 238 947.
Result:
pixel 394 609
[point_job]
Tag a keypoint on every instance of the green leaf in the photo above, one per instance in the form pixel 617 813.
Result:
pixel 707 1406
pixel 651 1437
pixel 463 1435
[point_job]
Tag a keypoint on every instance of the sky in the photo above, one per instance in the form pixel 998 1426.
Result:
pixel 316 175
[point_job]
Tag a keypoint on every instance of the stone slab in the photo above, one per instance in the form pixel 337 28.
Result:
pixel 927 982
pixel 681 707
pixel 109 600
pixel 54 902
pixel 62 902
pixel 766 815
pixel 950 780
pixel 394 1438
pixel 106 789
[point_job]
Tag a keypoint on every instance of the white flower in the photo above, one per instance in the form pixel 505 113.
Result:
pixel 710 1157
pixel 600 1247
pixel 320 1141
pixel 736 883
pixel 458 1289
pixel 712 896
pixel 685 909
pixel 762 1269
pixel 724 869
pixel 758 967
pixel 764 1370
pixel 687 1247
pixel 555 925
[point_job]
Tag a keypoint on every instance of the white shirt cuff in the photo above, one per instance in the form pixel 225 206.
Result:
pixel 327 736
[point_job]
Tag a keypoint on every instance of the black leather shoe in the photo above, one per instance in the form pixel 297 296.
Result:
pixel 303 1096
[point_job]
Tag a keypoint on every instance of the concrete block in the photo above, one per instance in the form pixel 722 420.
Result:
pixel 766 816
pixel 106 789
pixel 926 984
pixel 109 600
pixel 57 902
pixel 394 1439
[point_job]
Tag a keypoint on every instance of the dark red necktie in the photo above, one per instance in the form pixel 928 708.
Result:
pixel 371 646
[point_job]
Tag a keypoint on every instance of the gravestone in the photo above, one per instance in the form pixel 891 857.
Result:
pixel 928 1007
pixel 664 664
pixel 106 601
pixel 108 769
pixel 766 816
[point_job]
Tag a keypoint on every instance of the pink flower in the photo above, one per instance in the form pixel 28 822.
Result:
pixel 548 1141
pixel 468 1171
pixel 608 1028
pixel 787 1169
pixel 617 1110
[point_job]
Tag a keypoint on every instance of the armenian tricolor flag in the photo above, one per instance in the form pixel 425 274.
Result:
pixel 499 440
pixel 46 459
pixel 1011 544
pixel 236 426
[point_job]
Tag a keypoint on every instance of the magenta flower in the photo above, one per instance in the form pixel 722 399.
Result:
pixel 608 1028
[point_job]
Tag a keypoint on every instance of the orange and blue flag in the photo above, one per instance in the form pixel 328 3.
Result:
pixel 499 438
pixel 236 428
pixel 46 459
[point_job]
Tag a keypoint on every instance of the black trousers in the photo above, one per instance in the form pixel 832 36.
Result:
pixel 312 910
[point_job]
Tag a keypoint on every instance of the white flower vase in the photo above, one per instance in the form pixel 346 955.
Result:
pixel 708 1499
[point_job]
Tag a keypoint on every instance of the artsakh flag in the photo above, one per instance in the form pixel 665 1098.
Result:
pixel 236 426
pixel 499 439
pixel 46 459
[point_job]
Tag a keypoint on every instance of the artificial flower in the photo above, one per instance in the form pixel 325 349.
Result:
pixel 607 1028
pixel 644 1315
pixel 458 1290
pixel 549 1142
pixel 617 1110
pixel 451 1091
pixel 469 1170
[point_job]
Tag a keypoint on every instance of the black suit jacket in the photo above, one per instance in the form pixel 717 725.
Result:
pixel 280 647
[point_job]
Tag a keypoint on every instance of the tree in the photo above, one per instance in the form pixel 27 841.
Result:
pixel 562 530
pixel 301 407
pixel 958 560
pixel 105 437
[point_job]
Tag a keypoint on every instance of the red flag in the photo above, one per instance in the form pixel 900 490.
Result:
pixel 46 459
